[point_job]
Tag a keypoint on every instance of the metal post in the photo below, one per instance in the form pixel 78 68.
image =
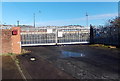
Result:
pixel 118 24
pixel 56 36
pixel 34 19
pixel 119 9
pixel 86 19
pixel 17 23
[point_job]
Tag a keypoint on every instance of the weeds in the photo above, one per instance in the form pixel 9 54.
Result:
pixel 7 54
pixel 10 54
pixel 102 45
pixel 25 51
pixel 17 61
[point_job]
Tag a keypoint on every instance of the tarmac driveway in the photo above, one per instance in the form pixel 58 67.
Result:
pixel 68 61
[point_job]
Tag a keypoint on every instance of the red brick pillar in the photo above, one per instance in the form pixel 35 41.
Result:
pixel 16 40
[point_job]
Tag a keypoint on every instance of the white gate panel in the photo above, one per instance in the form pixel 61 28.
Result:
pixel 53 36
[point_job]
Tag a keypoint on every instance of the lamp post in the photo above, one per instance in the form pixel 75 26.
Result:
pixel 86 19
pixel 17 23
pixel 119 9
pixel 34 19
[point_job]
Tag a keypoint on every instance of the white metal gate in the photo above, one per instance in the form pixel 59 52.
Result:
pixel 53 36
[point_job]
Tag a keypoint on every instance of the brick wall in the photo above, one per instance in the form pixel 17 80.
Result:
pixel 6 41
pixel 11 43
pixel 16 41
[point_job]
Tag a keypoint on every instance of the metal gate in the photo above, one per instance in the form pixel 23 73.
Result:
pixel 53 36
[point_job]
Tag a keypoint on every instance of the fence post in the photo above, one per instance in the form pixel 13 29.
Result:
pixel 118 36
pixel 91 35
pixel 56 36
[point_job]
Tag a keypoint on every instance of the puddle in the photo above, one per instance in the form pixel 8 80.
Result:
pixel 66 54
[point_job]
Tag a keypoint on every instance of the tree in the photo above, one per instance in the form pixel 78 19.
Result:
pixel 114 22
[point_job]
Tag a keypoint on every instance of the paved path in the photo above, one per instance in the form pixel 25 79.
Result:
pixel 9 69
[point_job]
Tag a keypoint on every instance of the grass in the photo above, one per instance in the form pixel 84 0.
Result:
pixel 16 61
pixel 25 51
pixel 7 54
pixel 102 45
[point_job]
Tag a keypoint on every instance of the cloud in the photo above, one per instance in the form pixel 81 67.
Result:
pixel 77 20
pixel 103 16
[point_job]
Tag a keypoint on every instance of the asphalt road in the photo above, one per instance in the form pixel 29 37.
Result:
pixel 72 61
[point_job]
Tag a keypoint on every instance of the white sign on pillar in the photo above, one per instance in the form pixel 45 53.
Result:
pixel 49 31
pixel 60 34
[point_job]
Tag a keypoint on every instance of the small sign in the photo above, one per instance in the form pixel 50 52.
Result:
pixel 14 32
pixel 49 31
pixel 60 34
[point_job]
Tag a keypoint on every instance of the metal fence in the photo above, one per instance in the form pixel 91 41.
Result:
pixel 6 27
pixel 107 35
pixel 53 36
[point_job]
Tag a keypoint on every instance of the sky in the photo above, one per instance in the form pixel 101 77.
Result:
pixel 58 13
pixel 60 0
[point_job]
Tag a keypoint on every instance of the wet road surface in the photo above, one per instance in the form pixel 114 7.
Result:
pixel 79 61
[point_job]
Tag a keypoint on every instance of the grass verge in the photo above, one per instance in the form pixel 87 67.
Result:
pixel 102 45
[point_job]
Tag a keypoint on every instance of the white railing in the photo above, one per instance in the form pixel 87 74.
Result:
pixel 5 27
